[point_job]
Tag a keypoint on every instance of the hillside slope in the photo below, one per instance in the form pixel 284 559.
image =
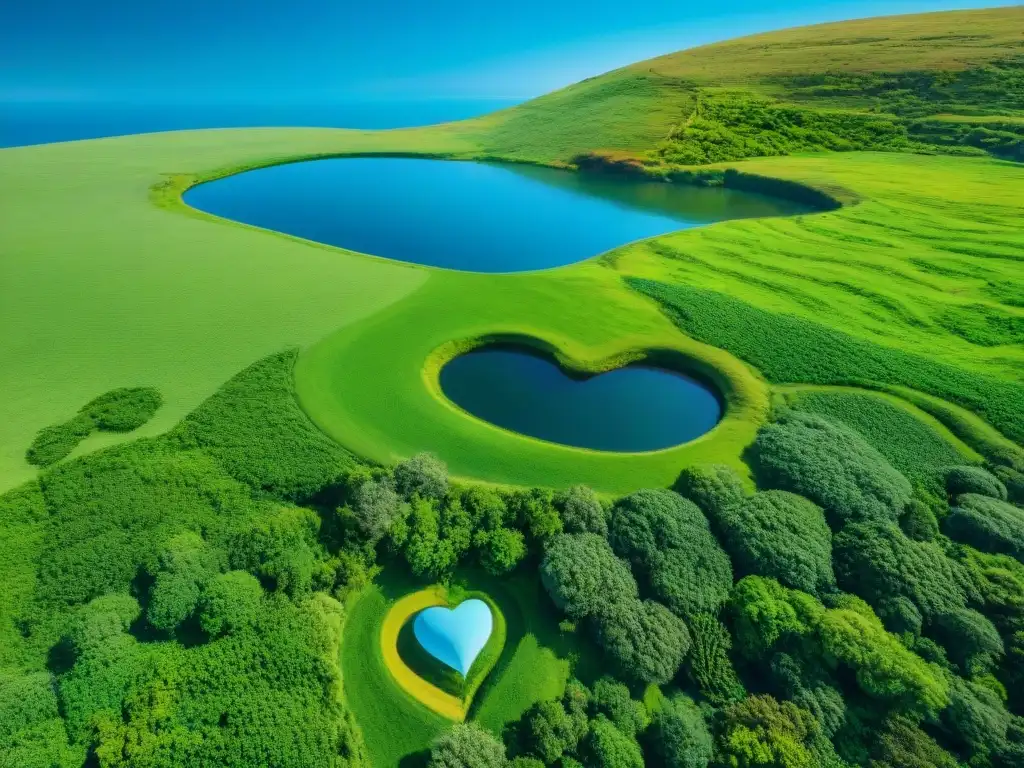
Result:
pixel 949 82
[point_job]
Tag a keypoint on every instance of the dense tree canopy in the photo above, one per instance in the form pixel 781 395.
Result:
pixel 581 510
pixel 712 487
pixel 779 535
pixel 832 465
pixel 583 575
pixel 968 479
pixel 987 524
pixel 424 475
pixel 644 640
pixel 467 745
pixel 667 540
pixel 680 737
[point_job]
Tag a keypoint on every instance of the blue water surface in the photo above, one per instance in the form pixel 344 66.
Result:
pixel 473 216
pixel 635 408
pixel 455 636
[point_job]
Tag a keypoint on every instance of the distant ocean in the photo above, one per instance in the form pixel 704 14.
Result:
pixel 40 123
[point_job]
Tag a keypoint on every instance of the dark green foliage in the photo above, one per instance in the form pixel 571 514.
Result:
pixel 182 570
pixel 901 744
pixel 582 575
pixel 975 480
pixel 909 444
pixel 608 747
pixel 111 511
pixel 780 535
pixel 712 487
pixel 611 699
pixel 581 511
pixel 548 731
pixel 976 718
pixel 670 546
pixel 119 410
pixel 125 409
pixel 256 431
pixel 32 733
pixel 279 548
pixel 971 640
pixel 266 696
pixel 987 524
pixel 429 556
pixel 876 561
pixel 918 522
pixel 231 602
pixel 1013 480
pixel 467 745
pixel 679 736
pixel 789 349
pixel 424 475
pixel 709 665
pixel 644 641
pixel 831 465
pixel 52 444
pixel 525 762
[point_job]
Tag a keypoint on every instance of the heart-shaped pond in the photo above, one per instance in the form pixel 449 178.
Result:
pixel 630 409
pixel 455 636
pixel 481 217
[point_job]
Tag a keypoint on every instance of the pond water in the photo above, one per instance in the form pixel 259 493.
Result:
pixel 482 217
pixel 634 408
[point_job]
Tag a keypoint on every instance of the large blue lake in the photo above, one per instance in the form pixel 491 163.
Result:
pixel 473 216
pixel 635 408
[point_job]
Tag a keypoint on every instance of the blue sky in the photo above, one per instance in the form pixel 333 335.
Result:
pixel 309 51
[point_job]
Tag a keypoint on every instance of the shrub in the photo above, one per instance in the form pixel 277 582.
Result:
pixel 831 465
pixel 423 474
pixel 279 548
pixel 502 550
pixel 760 731
pixel 581 511
pixel 876 561
pixel 643 640
pixel 976 718
pixel 582 574
pixel 987 524
pixel 782 536
pixel 709 665
pixel 182 570
pixel 918 521
pixel 679 736
pixel 254 428
pixel 230 602
pixel 534 512
pixel 51 444
pixel 608 747
pixel 1013 480
pixel 971 640
pixel 548 731
pixel 901 744
pixel 612 700
pixel 667 540
pixel 712 487
pixel 125 409
pixel 974 480
pixel 467 745
pixel 375 506
pixel 104 619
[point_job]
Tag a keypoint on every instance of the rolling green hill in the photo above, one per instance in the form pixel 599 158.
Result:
pixel 881 83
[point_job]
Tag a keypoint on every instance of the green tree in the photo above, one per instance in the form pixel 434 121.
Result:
pixel 611 698
pixel 534 512
pixel 712 487
pixel 231 601
pixel 918 521
pixel 832 466
pixel 582 574
pixel 968 479
pixel 679 736
pixel 608 747
pixel 467 745
pixel 709 665
pixel 670 546
pixel 183 567
pixel 428 555
pixel 422 475
pixel 375 506
pixel 779 535
pixel 502 550
pixel 644 640
pixel 581 511
pixel 987 524
pixel 760 731
pixel 280 548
